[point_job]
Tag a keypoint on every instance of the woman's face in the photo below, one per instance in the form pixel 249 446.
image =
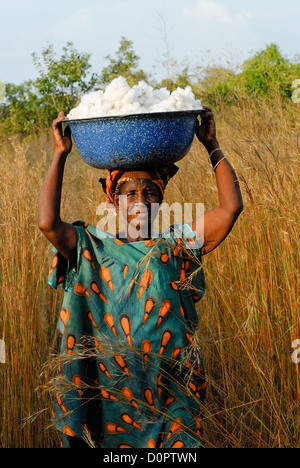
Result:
pixel 139 202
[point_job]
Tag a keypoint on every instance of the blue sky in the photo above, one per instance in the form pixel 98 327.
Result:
pixel 230 29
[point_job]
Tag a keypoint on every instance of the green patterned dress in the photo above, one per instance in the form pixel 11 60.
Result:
pixel 130 372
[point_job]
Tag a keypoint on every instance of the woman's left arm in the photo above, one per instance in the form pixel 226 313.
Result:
pixel 218 222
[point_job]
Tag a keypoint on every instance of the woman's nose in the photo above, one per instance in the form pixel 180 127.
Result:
pixel 141 198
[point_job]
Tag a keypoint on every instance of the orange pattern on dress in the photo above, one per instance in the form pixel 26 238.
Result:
pixel 169 401
pixel 187 336
pixel 108 319
pixel 54 263
pixel 146 348
pixel 98 346
pixel 76 379
pixel 149 398
pixel 120 361
pixel 129 397
pixel 165 339
pixel 107 395
pixel 181 310
pixel 159 385
pixel 128 419
pixel 86 255
pixel 177 251
pixel 94 287
pixel 61 405
pixel 182 274
pixel 113 428
pixel 178 443
pixel 125 324
pixel 125 270
pixel 71 343
pixel 68 431
pixel 150 243
pixel 176 353
pixel 146 280
pixel 105 275
pixel 80 290
pixel 104 370
pixel 118 241
pixel 164 258
pixel 64 317
pixel 163 312
pixel 125 445
pixel 151 444
pixel 89 317
pixel 149 306
pixel 173 285
pixel 175 427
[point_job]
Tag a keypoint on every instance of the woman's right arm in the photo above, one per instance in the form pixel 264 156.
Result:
pixel 62 235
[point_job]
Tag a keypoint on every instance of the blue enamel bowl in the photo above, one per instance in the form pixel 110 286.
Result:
pixel 134 141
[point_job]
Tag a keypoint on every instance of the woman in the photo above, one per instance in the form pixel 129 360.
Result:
pixel 131 372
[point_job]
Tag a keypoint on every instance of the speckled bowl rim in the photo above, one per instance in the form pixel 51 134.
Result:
pixel 148 115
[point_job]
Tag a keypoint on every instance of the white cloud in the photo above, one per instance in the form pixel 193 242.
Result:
pixel 211 11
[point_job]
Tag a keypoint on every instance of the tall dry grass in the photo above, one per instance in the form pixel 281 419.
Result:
pixel 248 318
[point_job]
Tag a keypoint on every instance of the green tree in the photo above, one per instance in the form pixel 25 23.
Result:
pixel 34 104
pixel 22 108
pixel 268 70
pixel 124 63
pixel 264 74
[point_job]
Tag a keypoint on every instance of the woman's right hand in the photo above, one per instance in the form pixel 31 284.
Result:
pixel 62 142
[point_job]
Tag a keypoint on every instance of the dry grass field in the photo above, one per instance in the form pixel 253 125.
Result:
pixel 249 315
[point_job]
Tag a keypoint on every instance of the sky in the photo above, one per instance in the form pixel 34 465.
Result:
pixel 198 32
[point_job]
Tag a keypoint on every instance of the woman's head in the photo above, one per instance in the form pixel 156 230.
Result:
pixel 138 194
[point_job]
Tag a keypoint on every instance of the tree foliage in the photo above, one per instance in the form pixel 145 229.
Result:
pixel 61 81
pixel 33 104
pixel 124 63
pixel 265 73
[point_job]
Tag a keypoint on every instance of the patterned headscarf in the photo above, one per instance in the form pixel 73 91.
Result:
pixel 159 176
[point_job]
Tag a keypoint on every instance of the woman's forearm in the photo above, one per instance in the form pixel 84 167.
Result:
pixel 230 197
pixel 50 194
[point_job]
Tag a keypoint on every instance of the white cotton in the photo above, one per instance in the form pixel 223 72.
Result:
pixel 119 99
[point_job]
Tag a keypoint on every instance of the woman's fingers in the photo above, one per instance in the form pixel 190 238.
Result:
pixel 59 119
pixel 57 123
pixel 207 109
pixel 67 132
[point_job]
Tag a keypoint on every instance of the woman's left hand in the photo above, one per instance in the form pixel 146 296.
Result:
pixel 206 132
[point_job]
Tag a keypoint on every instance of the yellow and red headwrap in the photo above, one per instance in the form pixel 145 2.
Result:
pixel 159 176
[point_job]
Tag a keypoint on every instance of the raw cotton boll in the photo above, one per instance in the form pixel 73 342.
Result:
pixel 129 109
pixel 116 90
pixel 102 108
pixel 143 94
pixel 160 95
pixel 119 99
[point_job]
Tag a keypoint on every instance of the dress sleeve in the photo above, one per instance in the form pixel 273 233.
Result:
pixel 62 271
